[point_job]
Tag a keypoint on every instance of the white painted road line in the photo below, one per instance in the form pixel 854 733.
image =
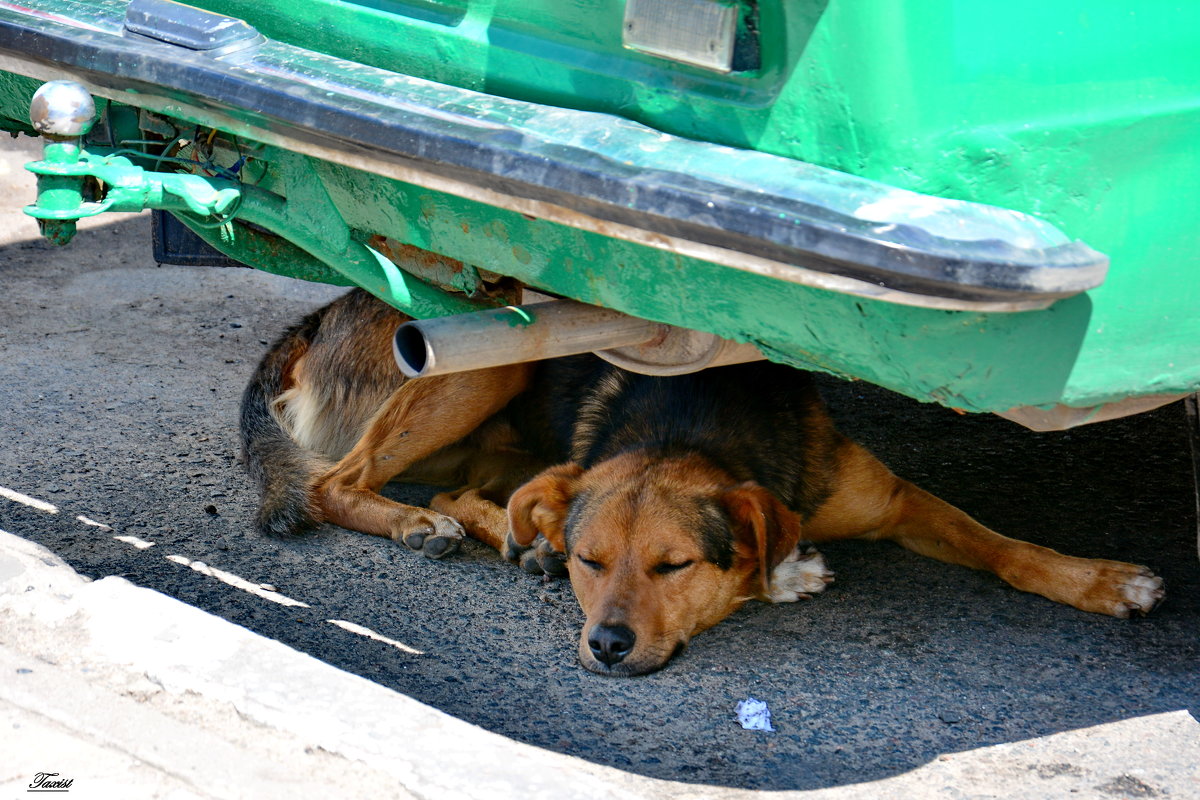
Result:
pixel 370 634
pixel 140 544
pixel 32 502
pixel 93 523
pixel 237 582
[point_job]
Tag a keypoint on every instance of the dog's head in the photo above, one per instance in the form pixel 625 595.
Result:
pixel 658 549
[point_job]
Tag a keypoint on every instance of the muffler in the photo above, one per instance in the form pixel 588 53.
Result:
pixel 555 328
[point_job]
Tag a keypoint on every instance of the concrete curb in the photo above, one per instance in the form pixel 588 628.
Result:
pixel 130 693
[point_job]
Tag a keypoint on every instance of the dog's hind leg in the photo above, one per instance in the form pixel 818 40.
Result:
pixel 870 502
pixel 420 418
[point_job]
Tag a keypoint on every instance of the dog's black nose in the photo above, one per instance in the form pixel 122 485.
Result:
pixel 611 643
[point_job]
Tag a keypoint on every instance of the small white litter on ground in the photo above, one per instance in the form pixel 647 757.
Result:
pixel 754 715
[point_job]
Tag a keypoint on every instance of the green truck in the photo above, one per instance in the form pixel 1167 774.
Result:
pixel 988 207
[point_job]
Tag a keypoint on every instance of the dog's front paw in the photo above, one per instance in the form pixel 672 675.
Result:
pixel 432 535
pixel 539 558
pixel 801 575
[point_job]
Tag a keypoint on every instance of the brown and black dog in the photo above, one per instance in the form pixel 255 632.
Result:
pixel 668 501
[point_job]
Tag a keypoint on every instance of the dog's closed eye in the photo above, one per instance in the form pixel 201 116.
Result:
pixel 591 564
pixel 667 567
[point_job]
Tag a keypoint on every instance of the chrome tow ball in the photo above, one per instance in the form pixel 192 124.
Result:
pixel 63 112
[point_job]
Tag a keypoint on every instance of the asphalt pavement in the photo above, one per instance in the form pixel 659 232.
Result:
pixel 119 381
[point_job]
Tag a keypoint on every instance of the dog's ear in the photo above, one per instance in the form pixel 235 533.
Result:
pixel 541 505
pixel 764 529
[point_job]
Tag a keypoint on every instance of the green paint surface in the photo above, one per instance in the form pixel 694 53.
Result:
pixel 15 93
pixel 516 317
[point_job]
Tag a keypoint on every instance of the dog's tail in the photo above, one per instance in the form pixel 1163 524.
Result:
pixel 286 472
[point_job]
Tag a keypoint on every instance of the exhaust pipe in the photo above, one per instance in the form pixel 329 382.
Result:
pixel 517 334
pixel 514 334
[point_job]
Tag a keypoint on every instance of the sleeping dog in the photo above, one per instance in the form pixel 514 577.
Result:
pixel 668 501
